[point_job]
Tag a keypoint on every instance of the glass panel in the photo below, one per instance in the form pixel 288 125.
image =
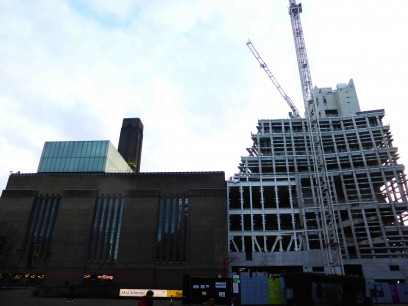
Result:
pixel 53 216
pixel 93 163
pixel 100 230
pixel 76 164
pixel 180 211
pixel 113 231
pixel 78 148
pixel 45 217
pixel 93 149
pixel 46 152
pixel 56 148
pixel 94 235
pixel 82 150
pixel 51 149
pixel 63 150
pixel 173 215
pixel 107 230
pixel 41 226
pixel 74 149
pixel 118 230
pixel 98 148
pixel 88 149
pixel 70 149
pixel 86 164
pixel 100 164
pixel 184 243
pixel 35 212
pixel 71 164
pixel 160 223
pixel 55 165
pixel 45 165
pixel 102 148
pixel 37 221
pixel 89 166
pixel 60 149
pixel 167 216
pixel 81 166
pixel 64 164
pixel 105 148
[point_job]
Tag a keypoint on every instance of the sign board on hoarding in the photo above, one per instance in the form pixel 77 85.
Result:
pixel 220 285
pixel 235 288
pixel 157 293
pixel 274 291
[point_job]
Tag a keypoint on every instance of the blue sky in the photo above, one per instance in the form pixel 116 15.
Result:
pixel 72 70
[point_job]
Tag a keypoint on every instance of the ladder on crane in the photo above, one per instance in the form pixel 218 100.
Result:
pixel 334 261
pixel 295 112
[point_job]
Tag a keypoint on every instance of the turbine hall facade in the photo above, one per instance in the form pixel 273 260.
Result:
pixel 274 218
pixel 136 230
pixel 89 216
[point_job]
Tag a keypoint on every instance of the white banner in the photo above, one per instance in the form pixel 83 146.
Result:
pixel 141 292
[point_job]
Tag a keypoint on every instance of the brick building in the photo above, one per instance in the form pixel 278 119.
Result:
pixel 85 216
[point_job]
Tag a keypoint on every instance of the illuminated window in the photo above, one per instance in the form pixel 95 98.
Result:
pixel 93 278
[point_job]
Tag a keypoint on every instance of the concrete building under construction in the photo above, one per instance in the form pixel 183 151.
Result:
pixel 274 218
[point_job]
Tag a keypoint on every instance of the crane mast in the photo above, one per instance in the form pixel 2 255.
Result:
pixel 334 261
pixel 295 112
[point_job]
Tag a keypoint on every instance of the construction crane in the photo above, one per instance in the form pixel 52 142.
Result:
pixel 295 112
pixel 334 261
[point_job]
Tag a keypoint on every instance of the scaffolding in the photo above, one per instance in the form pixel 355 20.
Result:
pixel 273 199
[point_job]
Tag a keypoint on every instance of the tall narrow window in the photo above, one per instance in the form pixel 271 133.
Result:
pixel 172 229
pixel 38 238
pixel 106 226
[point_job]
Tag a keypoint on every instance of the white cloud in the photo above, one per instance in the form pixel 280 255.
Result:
pixel 72 70
pixel 121 11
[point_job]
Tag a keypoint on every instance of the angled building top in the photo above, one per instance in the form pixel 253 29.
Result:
pixel 81 156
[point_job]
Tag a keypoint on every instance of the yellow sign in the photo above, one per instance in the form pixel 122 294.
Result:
pixel 175 293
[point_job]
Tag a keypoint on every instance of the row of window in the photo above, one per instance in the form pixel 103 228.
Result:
pixel 72 164
pixel 75 149
pixel 106 228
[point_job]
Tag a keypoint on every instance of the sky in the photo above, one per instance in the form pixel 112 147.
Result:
pixel 73 69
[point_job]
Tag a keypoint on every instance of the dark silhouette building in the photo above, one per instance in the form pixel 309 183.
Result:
pixel 86 217
pixel 138 230
pixel 131 141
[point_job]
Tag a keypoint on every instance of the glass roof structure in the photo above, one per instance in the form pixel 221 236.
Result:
pixel 81 156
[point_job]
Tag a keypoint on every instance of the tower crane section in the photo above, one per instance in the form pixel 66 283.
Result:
pixel 334 261
pixel 301 54
pixel 295 112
